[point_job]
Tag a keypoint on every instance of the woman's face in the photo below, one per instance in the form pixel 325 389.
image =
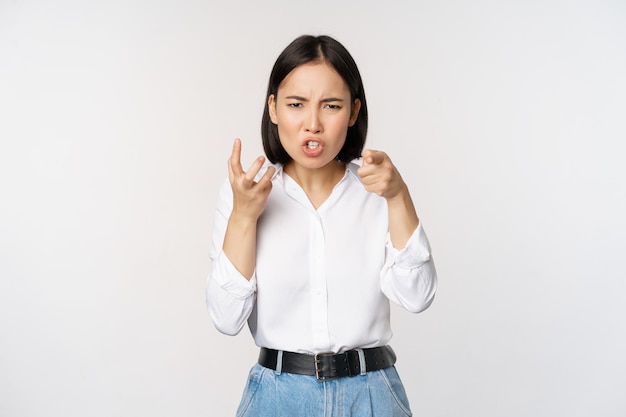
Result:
pixel 313 111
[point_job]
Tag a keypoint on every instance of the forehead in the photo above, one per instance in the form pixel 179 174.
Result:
pixel 314 78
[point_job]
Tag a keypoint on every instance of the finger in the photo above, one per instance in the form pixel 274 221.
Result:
pixel 234 162
pixel 365 156
pixel 254 169
pixel 375 157
pixel 365 170
pixel 267 177
pixel 368 168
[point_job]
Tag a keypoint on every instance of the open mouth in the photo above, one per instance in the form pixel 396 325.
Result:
pixel 312 148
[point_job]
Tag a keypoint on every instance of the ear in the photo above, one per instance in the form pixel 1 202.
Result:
pixel 271 106
pixel 354 112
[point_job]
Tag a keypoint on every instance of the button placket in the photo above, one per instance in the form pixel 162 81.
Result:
pixel 317 277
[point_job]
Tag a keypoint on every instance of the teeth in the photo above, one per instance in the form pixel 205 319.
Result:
pixel 312 145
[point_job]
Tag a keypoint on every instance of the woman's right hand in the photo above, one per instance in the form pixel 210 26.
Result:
pixel 249 197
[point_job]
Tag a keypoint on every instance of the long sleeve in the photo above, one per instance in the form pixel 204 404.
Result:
pixel 408 277
pixel 230 296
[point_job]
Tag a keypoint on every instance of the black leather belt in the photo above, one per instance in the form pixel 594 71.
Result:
pixel 327 366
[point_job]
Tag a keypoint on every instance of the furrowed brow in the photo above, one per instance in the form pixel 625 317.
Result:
pixel 296 98
pixel 330 99
pixel 324 100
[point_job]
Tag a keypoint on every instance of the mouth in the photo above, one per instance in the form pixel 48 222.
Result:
pixel 312 144
pixel 312 147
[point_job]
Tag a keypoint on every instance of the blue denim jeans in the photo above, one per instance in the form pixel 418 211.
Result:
pixel 269 393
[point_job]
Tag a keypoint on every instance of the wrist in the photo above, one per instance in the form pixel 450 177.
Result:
pixel 242 220
pixel 401 197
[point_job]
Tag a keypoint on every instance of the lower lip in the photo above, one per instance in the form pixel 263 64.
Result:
pixel 312 152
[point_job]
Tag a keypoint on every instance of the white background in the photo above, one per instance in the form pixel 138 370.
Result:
pixel 506 118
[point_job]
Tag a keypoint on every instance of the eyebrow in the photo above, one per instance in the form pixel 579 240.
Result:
pixel 324 100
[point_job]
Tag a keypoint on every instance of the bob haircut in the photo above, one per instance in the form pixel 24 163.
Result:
pixel 303 50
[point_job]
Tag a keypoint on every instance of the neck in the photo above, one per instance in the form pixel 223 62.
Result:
pixel 317 183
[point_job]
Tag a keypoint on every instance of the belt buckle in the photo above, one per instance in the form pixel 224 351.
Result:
pixel 317 361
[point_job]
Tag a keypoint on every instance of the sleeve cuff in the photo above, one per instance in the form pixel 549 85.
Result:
pixel 415 253
pixel 231 280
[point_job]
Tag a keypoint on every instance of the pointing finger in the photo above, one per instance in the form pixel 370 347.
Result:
pixel 374 157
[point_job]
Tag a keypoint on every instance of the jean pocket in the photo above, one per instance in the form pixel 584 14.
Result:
pixel 393 382
pixel 252 386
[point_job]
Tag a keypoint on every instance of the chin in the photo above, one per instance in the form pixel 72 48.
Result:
pixel 316 164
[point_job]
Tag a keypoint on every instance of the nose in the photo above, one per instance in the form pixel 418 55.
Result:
pixel 313 123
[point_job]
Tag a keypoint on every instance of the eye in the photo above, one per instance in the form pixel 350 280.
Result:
pixel 294 105
pixel 333 106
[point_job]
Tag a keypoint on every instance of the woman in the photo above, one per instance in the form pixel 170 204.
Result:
pixel 308 250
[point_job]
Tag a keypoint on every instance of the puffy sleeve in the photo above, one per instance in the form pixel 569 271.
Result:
pixel 408 277
pixel 230 296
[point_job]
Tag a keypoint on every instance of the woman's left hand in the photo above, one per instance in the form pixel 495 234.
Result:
pixel 379 175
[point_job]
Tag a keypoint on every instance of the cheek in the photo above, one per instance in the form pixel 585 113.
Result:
pixel 339 125
pixel 287 132
pixel 287 121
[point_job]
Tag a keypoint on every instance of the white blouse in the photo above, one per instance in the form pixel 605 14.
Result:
pixel 324 277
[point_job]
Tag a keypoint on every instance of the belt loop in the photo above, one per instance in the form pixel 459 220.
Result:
pixel 279 363
pixel 362 365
